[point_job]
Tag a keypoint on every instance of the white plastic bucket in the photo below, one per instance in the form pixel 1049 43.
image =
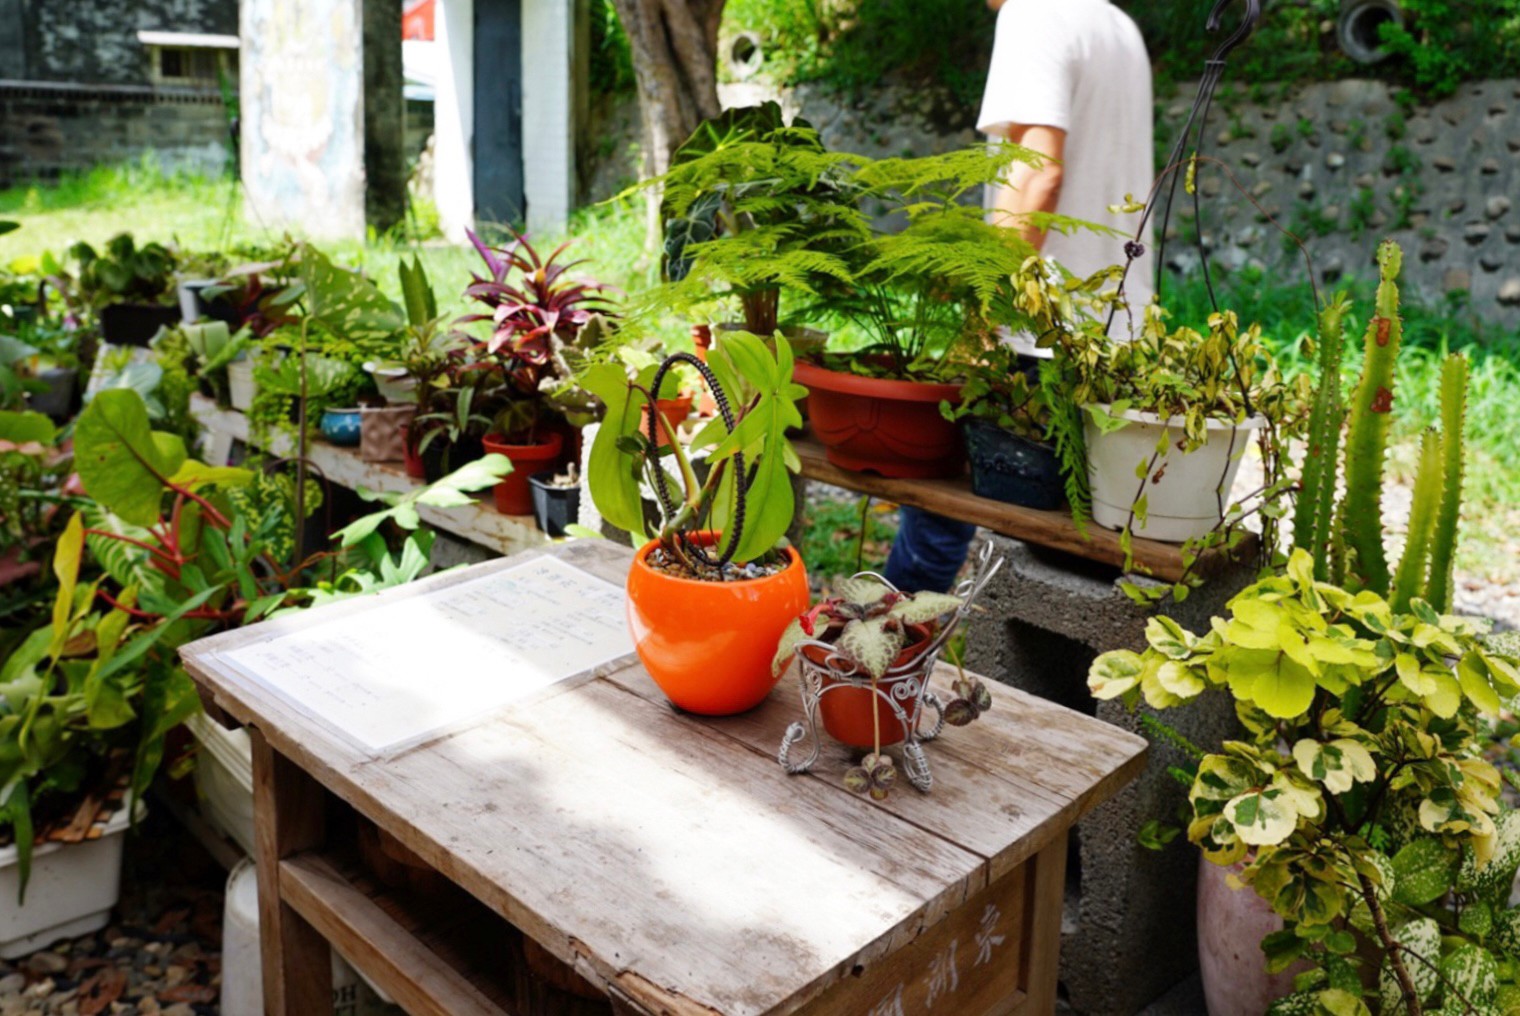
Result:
pixel 240 387
pixel 243 970
pixel 224 779
pixel 72 889
pixel 1184 503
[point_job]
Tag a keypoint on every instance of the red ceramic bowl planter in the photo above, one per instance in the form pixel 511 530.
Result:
pixel 846 711
pixel 893 428
pixel 708 645
pixel 513 495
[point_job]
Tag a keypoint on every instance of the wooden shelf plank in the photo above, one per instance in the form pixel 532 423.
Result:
pixel 424 978
pixel 479 523
pixel 1054 529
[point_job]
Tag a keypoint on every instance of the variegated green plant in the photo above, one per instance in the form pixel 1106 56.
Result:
pixel 869 624
pixel 1361 806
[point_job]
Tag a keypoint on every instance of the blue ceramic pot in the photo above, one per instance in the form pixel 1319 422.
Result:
pixel 1012 469
pixel 341 426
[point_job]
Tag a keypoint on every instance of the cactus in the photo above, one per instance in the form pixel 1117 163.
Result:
pixel 1316 503
pixel 1443 545
pixel 1409 582
pixel 1361 517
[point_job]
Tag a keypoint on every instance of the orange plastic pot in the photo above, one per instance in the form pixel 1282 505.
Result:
pixel 846 711
pixel 709 645
pixel 513 495
pixel 892 428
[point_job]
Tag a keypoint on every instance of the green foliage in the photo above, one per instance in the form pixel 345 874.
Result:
pixel 843 537
pixel 1444 43
pixel 1362 727
pixel 124 272
pixel 756 383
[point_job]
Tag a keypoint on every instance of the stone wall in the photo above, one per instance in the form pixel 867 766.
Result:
pixel 95 41
pixel 1342 164
pixel 48 129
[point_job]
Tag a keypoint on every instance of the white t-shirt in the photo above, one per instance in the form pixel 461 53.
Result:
pixel 1081 66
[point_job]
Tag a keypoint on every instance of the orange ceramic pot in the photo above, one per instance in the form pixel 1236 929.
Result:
pixel 709 645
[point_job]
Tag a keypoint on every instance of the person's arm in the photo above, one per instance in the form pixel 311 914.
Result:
pixel 1030 188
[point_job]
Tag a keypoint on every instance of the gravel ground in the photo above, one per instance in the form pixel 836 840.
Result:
pixel 160 955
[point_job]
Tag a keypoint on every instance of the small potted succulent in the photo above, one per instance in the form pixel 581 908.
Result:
pixel 537 311
pixel 1005 414
pixel 556 500
pixel 716 582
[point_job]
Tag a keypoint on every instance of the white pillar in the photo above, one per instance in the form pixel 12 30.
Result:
pixel 548 112
pixel 454 117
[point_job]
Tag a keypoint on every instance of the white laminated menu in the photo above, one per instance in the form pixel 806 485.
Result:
pixel 420 666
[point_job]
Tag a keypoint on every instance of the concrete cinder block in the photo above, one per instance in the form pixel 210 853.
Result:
pixel 1129 933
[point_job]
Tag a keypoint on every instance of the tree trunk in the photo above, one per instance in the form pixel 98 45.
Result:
pixel 674 44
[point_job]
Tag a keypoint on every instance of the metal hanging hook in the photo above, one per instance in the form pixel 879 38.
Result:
pixel 1242 31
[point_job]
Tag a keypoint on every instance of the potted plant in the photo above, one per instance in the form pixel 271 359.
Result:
pixel 556 500
pixel 1360 805
pixel 130 288
pixel 452 431
pixel 1005 415
pixel 537 311
pixel 712 591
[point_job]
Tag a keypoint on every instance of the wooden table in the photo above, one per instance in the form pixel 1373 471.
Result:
pixel 953 499
pixel 666 861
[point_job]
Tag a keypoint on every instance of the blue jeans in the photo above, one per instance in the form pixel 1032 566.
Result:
pixel 928 552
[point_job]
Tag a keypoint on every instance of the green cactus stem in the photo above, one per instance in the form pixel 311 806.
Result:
pixel 1443 545
pixel 1316 501
pixel 1409 582
pixel 1361 519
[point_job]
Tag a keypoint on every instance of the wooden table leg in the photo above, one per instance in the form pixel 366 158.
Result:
pixel 288 816
pixel 1042 946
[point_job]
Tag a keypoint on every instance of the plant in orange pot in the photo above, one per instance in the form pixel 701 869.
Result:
pixel 866 655
pixel 714 586
pixel 539 313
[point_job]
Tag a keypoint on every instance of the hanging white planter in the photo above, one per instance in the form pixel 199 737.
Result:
pixel 1185 489
pixel 72 889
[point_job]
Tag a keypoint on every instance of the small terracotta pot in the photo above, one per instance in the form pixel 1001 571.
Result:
pixel 675 411
pixel 846 712
pixel 409 454
pixel 702 340
pixel 513 495
pixel 708 645
pixel 892 428
pixel 1231 925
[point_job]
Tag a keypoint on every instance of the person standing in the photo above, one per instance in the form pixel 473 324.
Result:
pixel 1071 80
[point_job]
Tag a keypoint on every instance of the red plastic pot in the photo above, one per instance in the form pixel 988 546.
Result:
pixel 708 645
pixel 892 428
pixel 513 495
pixel 409 454
pixel 846 712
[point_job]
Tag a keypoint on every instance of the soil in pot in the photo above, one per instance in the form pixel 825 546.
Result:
pixel 708 645
pixel 846 711
pixel 134 324
pixel 555 506
pixel 892 428
pixel 1185 502
pixel 1013 469
pixel 513 495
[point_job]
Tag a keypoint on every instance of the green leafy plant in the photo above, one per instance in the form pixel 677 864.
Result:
pixel 1359 805
pixel 125 272
pixel 746 496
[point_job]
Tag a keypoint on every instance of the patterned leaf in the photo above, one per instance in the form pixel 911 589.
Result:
pixel 872 644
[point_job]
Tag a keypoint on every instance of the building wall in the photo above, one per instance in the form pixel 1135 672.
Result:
pixel 95 41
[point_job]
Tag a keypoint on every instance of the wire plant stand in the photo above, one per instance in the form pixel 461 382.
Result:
pixel 904 689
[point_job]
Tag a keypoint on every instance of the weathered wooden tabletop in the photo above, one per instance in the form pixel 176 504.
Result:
pixel 670 856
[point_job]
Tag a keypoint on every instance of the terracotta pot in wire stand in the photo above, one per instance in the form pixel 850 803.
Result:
pixel 846 709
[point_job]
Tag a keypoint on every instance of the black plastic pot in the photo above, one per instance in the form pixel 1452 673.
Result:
pixel 554 507
pixel 58 401
pixel 1012 469
pixel 440 458
pixel 134 324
